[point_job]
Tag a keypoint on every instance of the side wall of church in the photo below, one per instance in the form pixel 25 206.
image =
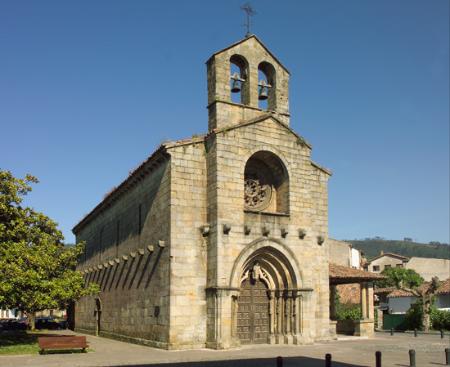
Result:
pixel 124 256
pixel 188 247
pixel 308 210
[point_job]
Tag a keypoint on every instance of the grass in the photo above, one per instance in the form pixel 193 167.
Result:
pixel 25 342
pixel 19 342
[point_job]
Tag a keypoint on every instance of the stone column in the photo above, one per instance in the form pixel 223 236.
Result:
pixel 220 333
pixel 333 302
pixel 370 308
pixel 363 301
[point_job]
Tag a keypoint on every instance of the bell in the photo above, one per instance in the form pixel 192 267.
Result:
pixel 236 86
pixel 263 93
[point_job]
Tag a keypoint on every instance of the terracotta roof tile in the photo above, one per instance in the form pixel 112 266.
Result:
pixel 342 274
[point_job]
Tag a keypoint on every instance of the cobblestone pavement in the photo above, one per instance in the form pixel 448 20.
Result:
pixel 348 352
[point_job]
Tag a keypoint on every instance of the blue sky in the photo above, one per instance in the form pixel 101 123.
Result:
pixel 88 89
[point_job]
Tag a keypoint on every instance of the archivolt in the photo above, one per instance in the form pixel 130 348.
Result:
pixel 278 265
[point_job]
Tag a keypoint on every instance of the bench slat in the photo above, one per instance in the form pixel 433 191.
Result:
pixel 62 342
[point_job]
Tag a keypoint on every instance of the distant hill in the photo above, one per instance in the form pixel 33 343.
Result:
pixel 372 247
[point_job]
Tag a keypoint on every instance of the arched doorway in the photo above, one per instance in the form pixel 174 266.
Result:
pixel 98 316
pixel 268 305
pixel 253 312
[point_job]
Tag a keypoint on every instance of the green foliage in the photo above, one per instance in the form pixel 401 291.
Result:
pixel 400 277
pixel 440 320
pixel 413 317
pixel 348 312
pixel 38 272
pixel 373 247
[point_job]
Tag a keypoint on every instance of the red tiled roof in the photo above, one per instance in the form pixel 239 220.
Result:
pixel 384 290
pixel 444 288
pixel 342 274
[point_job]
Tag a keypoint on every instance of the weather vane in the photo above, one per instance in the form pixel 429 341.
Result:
pixel 249 12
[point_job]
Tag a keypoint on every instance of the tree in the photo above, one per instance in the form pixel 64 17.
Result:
pixel 409 281
pixel 37 271
pixel 400 277
pixel 426 294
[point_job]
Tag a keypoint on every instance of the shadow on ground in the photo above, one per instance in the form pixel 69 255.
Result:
pixel 260 362
pixel 20 337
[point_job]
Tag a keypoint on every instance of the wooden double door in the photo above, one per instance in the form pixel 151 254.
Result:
pixel 253 312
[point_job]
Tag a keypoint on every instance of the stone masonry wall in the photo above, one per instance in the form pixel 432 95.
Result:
pixel 134 275
pixel 308 209
pixel 188 247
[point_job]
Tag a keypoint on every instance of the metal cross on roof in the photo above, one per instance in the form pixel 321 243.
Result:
pixel 247 8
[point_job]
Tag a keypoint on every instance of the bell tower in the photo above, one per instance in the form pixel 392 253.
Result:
pixel 245 81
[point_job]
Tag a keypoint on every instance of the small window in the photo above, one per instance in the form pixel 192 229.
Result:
pixel 388 266
pixel 399 265
pixel 376 268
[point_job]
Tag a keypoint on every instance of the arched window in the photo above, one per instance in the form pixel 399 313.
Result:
pixel 239 84
pixel 266 184
pixel 266 86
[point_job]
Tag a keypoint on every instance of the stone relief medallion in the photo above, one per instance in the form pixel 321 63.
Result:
pixel 256 195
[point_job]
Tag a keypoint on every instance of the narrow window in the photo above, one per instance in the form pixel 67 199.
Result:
pixel 117 237
pixel 140 219
pixel 101 243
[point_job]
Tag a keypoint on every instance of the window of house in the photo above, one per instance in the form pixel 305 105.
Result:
pixel 376 268
pixel 399 265
pixel 388 266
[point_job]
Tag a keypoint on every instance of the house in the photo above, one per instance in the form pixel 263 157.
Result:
pixel 427 268
pixel 399 301
pixel 221 239
pixel 386 261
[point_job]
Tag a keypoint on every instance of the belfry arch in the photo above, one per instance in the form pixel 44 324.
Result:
pixel 268 305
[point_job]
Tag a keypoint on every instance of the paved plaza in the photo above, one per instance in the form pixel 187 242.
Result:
pixel 347 352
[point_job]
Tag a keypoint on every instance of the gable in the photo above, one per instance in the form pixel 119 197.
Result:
pixel 251 42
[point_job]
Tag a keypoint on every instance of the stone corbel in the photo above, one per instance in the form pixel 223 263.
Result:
pixel 284 232
pixel 161 243
pixel 247 230
pixel 111 262
pixel 150 248
pixel 124 257
pixel 105 264
pixel 320 240
pixel 100 267
pixel 133 254
pixel 117 260
pixel 301 233
pixel 226 228
pixel 205 230
pixel 141 251
pixel 90 270
pixel 265 231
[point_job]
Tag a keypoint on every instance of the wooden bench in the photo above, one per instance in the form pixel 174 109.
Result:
pixel 63 342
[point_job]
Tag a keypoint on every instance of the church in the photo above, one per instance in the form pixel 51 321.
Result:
pixel 217 240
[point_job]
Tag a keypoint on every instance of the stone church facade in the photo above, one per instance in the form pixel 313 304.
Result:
pixel 218 240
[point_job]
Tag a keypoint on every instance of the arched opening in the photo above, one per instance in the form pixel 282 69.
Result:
pixel 268 303
pixel 98 315
pixel 266 184
pixel 239 85
pixel 266 86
